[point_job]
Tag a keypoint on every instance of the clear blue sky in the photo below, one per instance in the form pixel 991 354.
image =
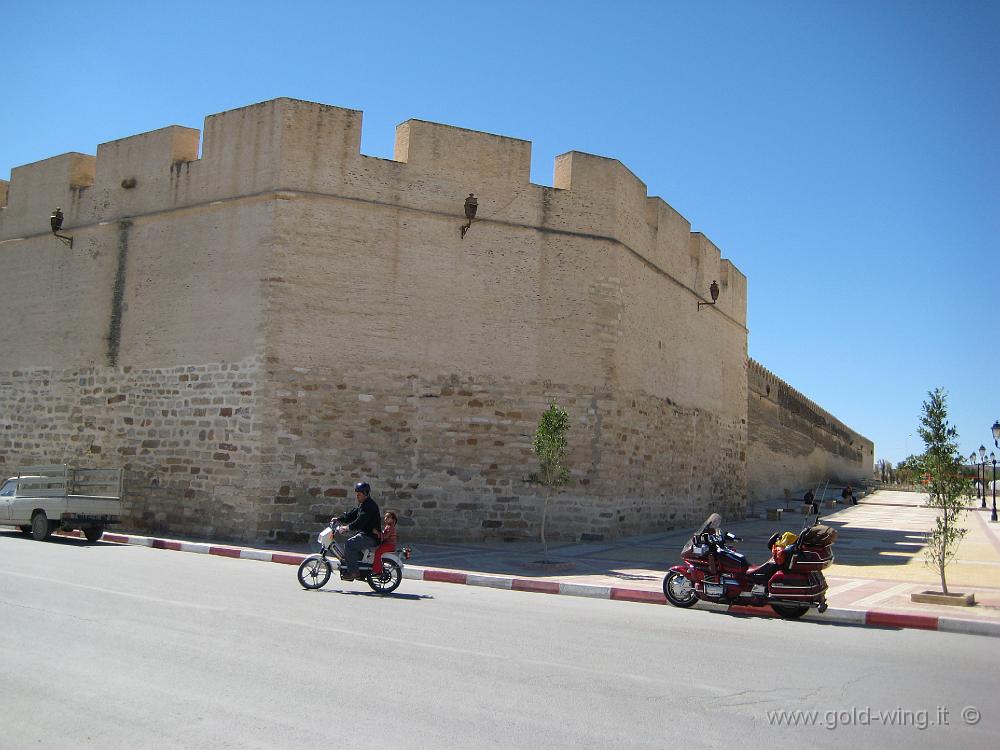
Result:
pixel 844 155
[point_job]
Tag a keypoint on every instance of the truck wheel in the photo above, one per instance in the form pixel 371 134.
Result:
pixel 93 533
pixel 40 528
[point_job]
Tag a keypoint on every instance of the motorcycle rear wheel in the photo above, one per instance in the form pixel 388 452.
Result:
pixel 390 579
pixel 314 572
pixel 679 590
pixel 790 611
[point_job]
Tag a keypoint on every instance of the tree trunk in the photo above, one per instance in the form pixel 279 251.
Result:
pixel 944 553
pixel 545 513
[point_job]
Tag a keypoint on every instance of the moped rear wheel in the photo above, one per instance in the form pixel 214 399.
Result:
pixel 314 572
pixel 390 579
pixel 679 590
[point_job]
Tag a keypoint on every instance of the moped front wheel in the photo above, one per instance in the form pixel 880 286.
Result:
pixel 390 579
pixel 314 572
pixel 679 590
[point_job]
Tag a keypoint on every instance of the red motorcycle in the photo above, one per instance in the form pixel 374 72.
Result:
pixel 790 582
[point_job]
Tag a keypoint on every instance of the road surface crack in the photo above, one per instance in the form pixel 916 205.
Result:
pixel 47 611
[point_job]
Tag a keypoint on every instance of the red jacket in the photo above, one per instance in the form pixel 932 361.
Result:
pixel 389 538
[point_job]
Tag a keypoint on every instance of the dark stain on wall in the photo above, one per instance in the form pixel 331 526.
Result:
pixel 118 294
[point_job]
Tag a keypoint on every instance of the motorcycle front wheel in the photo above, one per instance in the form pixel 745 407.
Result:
pixel 314 572
pixel 390 579
pixel 678 590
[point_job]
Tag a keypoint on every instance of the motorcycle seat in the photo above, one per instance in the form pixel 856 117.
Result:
pixel 764 571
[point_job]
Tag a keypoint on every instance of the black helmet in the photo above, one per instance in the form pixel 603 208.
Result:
pixel 363 487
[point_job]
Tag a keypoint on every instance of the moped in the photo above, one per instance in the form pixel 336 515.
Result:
pixel 790 582
pixel 316 569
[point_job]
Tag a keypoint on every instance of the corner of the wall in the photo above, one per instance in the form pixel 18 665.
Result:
pixel 308 129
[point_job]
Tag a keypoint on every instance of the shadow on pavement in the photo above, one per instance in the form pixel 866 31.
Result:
pixel 394 595
pixel 65 541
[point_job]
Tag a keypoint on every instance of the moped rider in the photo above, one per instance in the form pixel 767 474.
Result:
pixel 366 524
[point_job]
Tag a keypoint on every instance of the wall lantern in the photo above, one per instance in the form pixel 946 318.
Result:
pixel 56 221
pixel 714 291
pixel 471 204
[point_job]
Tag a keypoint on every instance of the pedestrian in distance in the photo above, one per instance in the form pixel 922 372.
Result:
pixel 848 495
pixel 809 499
pixel 365 527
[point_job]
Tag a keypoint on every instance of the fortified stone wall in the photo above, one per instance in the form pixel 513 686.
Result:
pixel 795 444
pixel 251 331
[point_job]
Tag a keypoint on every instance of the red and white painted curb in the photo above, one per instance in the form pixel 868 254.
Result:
pixel 865 617
pixel 242 553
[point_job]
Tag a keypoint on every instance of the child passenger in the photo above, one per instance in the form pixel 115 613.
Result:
pixel 388 540
pixel 389 529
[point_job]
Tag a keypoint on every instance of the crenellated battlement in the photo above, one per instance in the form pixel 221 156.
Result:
pixel 766 384
pixel 287 145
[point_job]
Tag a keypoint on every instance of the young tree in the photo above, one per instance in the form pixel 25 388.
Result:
pixel 947 485
pixel 551 446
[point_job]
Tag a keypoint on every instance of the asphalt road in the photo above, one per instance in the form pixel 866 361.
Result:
pixel 133 647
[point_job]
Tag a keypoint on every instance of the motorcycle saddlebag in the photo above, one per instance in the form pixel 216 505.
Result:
pixel 795 586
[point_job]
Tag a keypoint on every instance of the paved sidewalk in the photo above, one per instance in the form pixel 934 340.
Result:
pixel 879 563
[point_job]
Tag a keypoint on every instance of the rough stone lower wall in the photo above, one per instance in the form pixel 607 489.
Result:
pixel 188 437
pixel 795 444
pixel 451 455
pixel 252 451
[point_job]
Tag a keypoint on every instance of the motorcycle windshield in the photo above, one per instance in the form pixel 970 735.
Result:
pixel 714 521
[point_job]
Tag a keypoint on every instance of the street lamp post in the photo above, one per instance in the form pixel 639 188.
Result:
pixel 973 462
pixel 995 429
pixel 993 515
pixel 982 465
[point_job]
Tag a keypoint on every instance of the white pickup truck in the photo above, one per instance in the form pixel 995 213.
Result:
pixel 40 499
